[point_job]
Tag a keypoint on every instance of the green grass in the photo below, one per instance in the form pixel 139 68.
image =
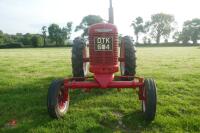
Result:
pixel 25 75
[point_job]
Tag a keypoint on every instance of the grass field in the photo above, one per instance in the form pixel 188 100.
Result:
pixel 25 75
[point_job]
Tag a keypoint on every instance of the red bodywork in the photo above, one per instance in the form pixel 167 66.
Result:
pixel 104 63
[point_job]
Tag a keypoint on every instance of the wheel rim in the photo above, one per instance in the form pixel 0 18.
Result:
pixel 85 64
pixel 85 68
pixel 144 101
pixel 122 68
pixel 62 99
pixel 122 55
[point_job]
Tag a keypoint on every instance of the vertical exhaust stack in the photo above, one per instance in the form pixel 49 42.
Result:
pixel 111 13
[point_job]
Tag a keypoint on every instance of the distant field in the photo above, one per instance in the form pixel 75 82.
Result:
pixel 25 75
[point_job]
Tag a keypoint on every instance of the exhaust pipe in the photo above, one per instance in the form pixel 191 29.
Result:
pixel 111 13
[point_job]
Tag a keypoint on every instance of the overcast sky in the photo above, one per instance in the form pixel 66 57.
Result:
pixel 22 16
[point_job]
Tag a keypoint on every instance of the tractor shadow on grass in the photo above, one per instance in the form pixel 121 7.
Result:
pixel 26 104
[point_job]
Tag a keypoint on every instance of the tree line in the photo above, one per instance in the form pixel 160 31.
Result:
pixel 161 26
pixel 53 35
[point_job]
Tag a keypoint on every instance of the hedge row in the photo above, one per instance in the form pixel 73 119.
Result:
pixel 12 45
pixel 20 45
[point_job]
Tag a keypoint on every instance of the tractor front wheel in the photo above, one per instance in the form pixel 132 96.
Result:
pixel 57 99
pixel 149 99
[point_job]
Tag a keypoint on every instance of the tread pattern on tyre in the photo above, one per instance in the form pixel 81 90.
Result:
pixel 130 57
pixel 77 57
pixel 151 99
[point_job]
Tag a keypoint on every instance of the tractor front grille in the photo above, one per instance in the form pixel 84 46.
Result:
pixel 103 57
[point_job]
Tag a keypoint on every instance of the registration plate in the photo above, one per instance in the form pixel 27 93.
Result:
pixel 103 43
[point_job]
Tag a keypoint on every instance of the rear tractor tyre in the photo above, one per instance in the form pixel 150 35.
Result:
pixel 149 99
pixel 57 99
pixel 79 68
pixel 128 67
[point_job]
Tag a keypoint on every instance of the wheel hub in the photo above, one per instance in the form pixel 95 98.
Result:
pixel 62 100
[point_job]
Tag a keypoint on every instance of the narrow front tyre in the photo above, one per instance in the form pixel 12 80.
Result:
pixel 149 100
pixel 57 99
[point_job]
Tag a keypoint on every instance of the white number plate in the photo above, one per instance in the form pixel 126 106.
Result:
pixel 103 43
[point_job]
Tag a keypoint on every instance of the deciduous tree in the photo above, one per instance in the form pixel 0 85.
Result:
pixel 44 34
pixel 54 33
pixel 161 25
pixel 138 27
pixel 86 22
pixel 191 29
pixel 1 37
pixel 36 40
pixel 26 40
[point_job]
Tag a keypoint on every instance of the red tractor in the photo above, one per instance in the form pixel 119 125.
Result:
pixel 103 63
